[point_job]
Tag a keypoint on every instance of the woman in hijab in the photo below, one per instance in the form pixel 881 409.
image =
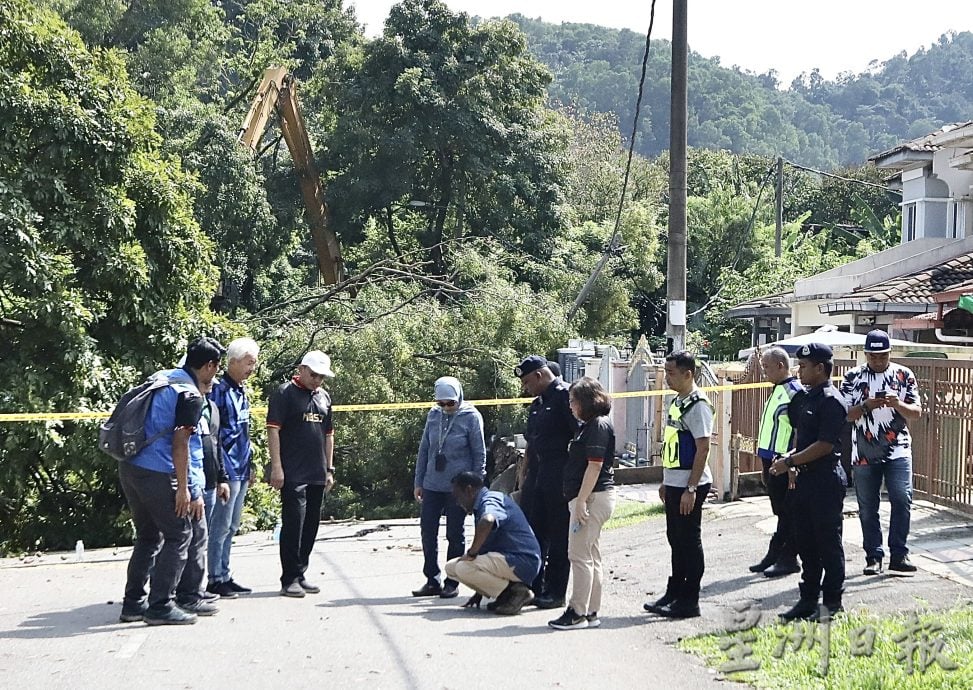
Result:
pixel 452 442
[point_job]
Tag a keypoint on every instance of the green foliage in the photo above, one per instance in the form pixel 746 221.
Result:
pixel 101 264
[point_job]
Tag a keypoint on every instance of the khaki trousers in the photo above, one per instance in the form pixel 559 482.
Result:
pixel 585 554
pixel 487 574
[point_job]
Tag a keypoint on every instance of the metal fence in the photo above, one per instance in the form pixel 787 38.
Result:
pixel 942 438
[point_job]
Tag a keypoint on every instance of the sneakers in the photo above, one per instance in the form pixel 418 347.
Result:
pixel 430 589
pixel 209 596
pixel 308 587
pixel 569 620
pixel 199 607
pixel 172 616
pixel 132 614
pixel 294 589
pixel 239 589
pixel 593 620
pixel 873 566
pixel 224 589
pixel 901 565
pixel 449 591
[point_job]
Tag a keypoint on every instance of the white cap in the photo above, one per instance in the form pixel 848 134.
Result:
pixel 318 362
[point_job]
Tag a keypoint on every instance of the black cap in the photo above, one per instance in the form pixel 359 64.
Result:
pixel 202 351
pixel 554 367
pixel 531 363
pixel 816 352
pixel 877 341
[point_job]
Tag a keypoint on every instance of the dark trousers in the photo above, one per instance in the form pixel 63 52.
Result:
pixel 685 536
pixel 434 505
pixel 783 544
pixel 549 517
pixel 300 515
pixel 161 538
pixel 817 506
pixel 191 583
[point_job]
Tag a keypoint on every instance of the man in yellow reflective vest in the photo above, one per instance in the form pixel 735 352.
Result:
pixel 776 437
pixel 686 482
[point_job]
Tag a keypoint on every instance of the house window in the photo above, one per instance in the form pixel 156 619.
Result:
pixel 909 222
pixel 954 221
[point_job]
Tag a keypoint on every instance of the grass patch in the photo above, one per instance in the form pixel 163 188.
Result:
pixel 633 512
pixel 933 636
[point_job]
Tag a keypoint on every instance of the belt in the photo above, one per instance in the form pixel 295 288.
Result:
pixel 818 466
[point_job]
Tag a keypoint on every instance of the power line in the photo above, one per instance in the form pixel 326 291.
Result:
pixel 612 246
pixel 843 179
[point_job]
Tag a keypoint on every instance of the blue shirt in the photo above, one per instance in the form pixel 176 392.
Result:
pixel 169 409
pixel 234 407
pixel 511 536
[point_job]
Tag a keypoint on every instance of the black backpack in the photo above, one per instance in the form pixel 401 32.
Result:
pixel 122 435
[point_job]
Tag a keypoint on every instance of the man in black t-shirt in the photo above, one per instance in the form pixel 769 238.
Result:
pixel 300 438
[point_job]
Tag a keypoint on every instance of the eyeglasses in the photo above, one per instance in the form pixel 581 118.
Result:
pixel 446 403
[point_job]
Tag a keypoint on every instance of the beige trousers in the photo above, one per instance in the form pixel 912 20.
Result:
pixel 487 574
pixel 585 554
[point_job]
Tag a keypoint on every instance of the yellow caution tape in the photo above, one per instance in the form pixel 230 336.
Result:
pixel 374 407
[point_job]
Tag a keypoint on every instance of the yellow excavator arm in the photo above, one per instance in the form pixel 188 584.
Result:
pixel 277 92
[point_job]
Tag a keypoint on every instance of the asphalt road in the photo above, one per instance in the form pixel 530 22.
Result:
pixel 58 618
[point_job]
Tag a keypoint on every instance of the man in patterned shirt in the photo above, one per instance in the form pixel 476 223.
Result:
pixel 882 397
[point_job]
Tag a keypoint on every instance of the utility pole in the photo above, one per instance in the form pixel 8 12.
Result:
pixel 779 207
pixel 678 116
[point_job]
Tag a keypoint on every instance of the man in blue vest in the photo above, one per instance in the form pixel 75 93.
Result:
pixel 819 490
pixel 686 482
pixel 234 413
pixel 776 437
pixel 163 485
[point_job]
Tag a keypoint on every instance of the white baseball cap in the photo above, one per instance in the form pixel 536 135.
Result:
pixel 318 362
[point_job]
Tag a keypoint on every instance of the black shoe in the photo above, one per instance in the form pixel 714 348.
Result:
pixel 784 566
pixel 802 610
pixel 132 614
pixel 199 607
pixel 902 565
pixel 223 589
pixel 679 609
pixel 308 587
pixel 430 589
pixel 449 592
pixel 664 600
pixel 873 566
pixel 546 601
pixel 764 563
pixel 569 620
pixel 294 590
pixel 172 616
pixel 833 610
pixel 512 599
pixel 593 620
pixel 239 589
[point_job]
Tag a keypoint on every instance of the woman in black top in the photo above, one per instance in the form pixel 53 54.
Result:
pixel 589 488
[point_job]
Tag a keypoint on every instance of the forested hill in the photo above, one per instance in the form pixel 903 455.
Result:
pixel 814 121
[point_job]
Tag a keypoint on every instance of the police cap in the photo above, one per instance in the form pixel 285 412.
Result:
pixel 531 363
pixel 816 352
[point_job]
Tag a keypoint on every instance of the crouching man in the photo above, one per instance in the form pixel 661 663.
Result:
pixel 504 554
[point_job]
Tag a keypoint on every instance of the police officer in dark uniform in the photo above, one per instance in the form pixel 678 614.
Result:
pixel 820 485
pixel 550 427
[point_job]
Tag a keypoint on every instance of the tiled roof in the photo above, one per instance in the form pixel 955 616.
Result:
pixel 919 287
pixel 923 143
pixel 778 299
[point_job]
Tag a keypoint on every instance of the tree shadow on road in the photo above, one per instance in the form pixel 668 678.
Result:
pixel 70 623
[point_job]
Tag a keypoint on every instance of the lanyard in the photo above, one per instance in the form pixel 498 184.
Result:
pixel 444 426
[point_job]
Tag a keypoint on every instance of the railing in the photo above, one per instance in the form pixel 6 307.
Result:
pixel 942 439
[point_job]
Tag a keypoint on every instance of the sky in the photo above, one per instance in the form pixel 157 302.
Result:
pixel 757 35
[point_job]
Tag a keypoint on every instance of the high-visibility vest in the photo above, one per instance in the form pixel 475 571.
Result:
pixel 776 435
pixel 678 443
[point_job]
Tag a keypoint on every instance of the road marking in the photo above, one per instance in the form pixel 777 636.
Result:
pixel 133 642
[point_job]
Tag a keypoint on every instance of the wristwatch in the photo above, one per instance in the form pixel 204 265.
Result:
pixel 789 461
pixel 691 488
pixel 329 470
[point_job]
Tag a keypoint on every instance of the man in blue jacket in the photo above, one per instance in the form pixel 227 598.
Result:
pixel 234 408
pixel 163 485
pixel 452 442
